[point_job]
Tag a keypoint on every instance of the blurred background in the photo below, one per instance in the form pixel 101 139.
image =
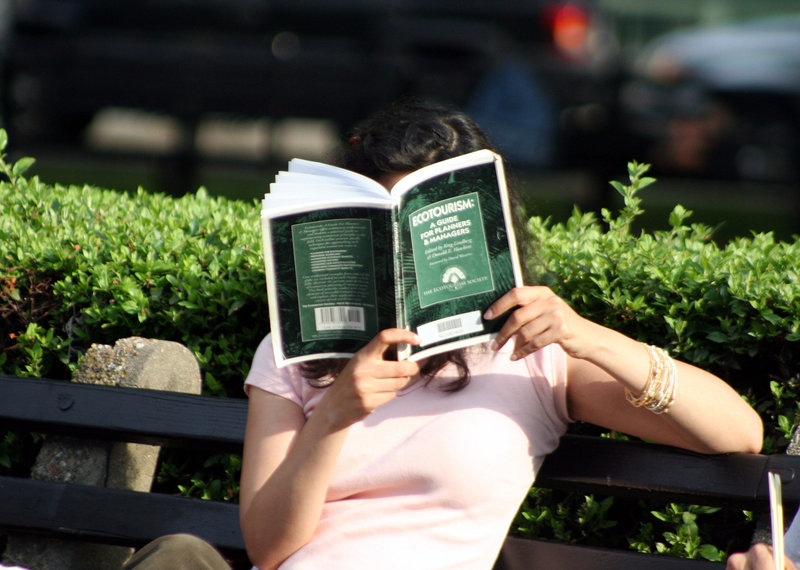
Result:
pixel 175 94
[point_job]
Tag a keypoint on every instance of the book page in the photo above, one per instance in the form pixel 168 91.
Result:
pixel 776 519
pixel 344 176
pixel 308 186
pixel 458 253
pixel 327 278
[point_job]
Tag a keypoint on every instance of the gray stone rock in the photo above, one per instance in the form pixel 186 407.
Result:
pixel 131 362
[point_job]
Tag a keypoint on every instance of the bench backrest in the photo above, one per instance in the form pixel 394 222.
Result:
pixel 585 464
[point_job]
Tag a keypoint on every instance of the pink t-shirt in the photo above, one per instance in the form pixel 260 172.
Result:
pixel 432 480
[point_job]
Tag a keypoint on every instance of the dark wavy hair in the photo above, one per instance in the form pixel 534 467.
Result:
pixel 402 138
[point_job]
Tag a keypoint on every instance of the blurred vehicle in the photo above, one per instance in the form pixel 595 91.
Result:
pixel 719 101
pixel 539 74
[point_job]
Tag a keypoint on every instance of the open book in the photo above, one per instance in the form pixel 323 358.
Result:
pixel 345 258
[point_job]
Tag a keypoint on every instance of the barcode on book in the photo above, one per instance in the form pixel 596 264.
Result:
pixel 450 327
pixel 339 318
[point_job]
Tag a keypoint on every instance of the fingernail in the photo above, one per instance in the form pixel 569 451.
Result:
pixel 488 315
pixel 494 345
pixel 515 356
pixel 417 339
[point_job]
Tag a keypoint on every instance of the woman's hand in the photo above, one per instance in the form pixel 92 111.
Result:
pixel 759 557
pixel 540 317
pixel 368 381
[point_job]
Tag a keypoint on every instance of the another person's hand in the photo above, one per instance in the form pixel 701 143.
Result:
pixel 540 317
pixel 759 557
pixel 368 380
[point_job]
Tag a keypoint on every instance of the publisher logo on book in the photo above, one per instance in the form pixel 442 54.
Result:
pixel 454 277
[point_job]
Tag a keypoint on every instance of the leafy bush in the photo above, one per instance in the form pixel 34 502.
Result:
pixel 732 309
pixel 82 265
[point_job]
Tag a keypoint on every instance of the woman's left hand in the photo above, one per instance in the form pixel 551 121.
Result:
pixel 540 317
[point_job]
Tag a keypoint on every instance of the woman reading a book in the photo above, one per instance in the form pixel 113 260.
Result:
pixel 375 463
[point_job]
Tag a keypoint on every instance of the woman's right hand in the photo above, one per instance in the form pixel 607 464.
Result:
pixel 368 380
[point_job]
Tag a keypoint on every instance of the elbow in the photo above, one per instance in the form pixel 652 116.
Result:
pixel 745 435
pixel 750 438
pixel 262 556
pixel 258 549
pixel 755 439
pixel 261 562
pixel 267 551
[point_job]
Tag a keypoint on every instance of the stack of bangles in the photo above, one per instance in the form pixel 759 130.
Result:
pixel 659 392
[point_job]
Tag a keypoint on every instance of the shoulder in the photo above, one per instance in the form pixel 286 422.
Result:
pixel 287 382
pixel 540 376
pixel 549 363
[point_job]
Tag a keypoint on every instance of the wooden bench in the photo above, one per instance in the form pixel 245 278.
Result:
pixel 585 464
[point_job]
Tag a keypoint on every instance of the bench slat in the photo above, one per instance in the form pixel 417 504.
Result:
pixel 124 414
pixel 581 463
pixel 128 518
pixel 518 554
pixel 114 516
pixel 606 466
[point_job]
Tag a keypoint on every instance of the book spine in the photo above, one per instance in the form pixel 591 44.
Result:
pixel 403 350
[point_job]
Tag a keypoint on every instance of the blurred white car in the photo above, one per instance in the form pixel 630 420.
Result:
pixel 720 101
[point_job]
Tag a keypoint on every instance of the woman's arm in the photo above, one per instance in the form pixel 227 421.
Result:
pixel 707 415
pixel 288 462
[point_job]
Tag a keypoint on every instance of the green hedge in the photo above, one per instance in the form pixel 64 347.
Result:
pixel 733 309
pixel 83 265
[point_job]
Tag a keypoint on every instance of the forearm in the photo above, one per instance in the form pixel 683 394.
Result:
pixel 706 413
pixel 283 512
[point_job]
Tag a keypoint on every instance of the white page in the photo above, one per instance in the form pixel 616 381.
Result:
pixel 776 519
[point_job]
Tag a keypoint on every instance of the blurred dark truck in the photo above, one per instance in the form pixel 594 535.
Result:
pixel 541 76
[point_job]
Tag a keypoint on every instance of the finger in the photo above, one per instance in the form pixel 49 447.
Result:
pixel 532 337
pixel 376 374
pixel 525 319
pixel 513 298
pixel 760 553
pixel 387 338
pixel 759 556
pixel 399 371
pixel 736 561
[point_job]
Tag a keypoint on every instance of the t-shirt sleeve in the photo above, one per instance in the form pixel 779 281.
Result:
pixel 551 363
pixel 285 382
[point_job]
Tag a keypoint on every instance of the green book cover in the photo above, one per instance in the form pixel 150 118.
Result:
pixel 346 258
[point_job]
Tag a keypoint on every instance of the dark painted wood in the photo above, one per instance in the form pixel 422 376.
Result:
pixel 583 464
pixel 124 414
pixel 606 466
pixel 114 516
pixel 523 554
pixel 586 464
